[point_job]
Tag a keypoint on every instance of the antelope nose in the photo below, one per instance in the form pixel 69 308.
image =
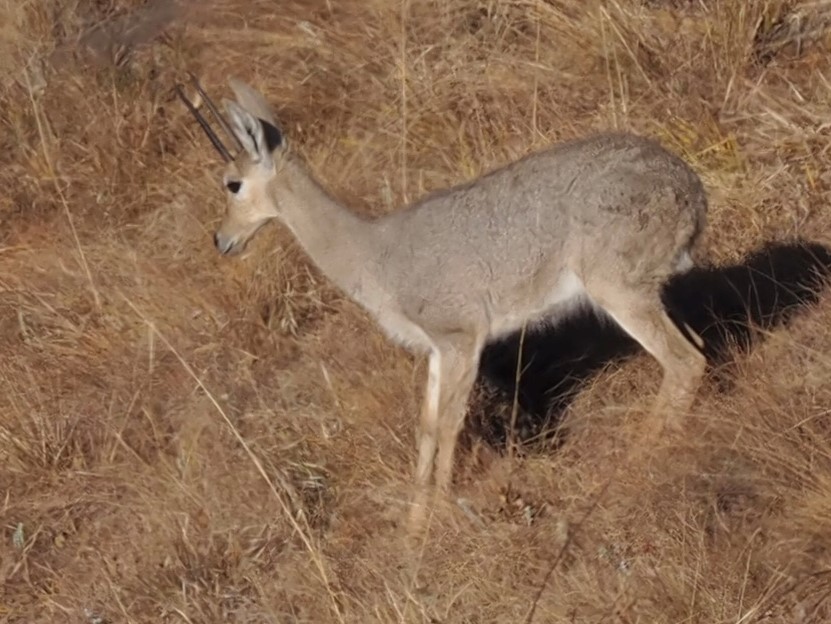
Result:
pixel 223 243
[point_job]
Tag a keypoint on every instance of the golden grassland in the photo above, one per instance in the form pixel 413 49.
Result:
pixel 188 438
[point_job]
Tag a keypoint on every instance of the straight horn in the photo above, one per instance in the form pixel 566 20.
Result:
pixel 217 143
pixel 214 111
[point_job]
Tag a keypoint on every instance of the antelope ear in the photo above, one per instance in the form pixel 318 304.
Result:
pixel 256 136
pixel 252 100
pixel 255 103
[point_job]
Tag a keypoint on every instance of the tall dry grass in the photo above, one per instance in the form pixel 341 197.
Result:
pixel 189 439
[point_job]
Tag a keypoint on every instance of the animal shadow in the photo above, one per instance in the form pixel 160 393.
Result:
pixel 730 307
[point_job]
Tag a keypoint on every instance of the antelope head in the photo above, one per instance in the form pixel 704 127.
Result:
pixel 250 176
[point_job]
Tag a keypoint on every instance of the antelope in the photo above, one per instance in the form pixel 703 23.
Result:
pixel 600 222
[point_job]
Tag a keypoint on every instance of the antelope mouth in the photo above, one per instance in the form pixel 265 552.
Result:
pixel 228 246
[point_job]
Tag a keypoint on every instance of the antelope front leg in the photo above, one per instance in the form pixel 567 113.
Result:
pixel 455 393
pixel 427 441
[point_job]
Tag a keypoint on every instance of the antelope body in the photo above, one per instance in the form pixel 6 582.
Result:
pixel 601 221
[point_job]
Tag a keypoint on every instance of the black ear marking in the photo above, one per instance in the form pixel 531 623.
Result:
pixel 273 136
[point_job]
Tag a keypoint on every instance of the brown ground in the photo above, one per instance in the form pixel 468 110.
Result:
pixel 188 438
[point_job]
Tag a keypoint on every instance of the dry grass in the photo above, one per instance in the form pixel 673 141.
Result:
pixel 185 438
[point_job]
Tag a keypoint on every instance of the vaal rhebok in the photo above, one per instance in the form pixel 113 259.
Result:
pixel 601 221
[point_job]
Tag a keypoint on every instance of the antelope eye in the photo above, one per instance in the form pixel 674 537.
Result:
pixel 233 186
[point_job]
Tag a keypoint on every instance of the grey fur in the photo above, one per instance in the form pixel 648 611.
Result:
pixel 601 221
